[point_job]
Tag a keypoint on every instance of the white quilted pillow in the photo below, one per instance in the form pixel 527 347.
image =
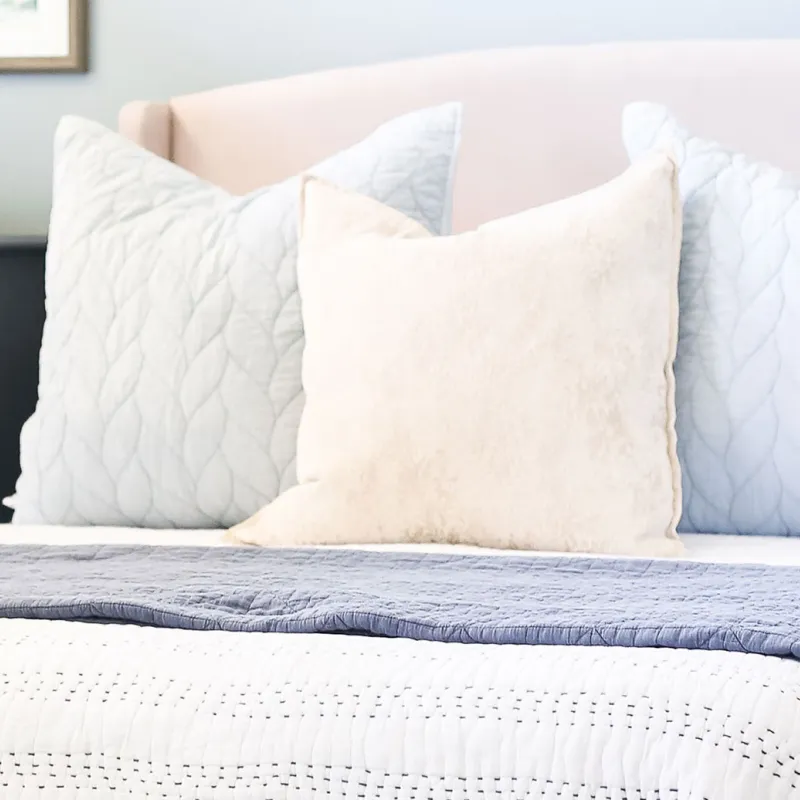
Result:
pixel 507 387
pixel 738 364
pixel 170 390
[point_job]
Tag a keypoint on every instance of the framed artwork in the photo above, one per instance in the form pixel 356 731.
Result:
pixel 43 35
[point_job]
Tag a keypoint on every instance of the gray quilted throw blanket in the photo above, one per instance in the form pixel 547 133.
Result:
pixel 445 598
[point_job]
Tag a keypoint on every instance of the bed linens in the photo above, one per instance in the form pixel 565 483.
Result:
pixel 90 712
pixel 719 548
pixel 170 387
pixel 510 386
pixel 437 597
pixel 738 363
pixel 101 712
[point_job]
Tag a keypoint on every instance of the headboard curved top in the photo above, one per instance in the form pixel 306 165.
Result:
pixel 539 123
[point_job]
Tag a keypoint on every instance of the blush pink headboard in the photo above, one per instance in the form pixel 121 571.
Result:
pixel 539 123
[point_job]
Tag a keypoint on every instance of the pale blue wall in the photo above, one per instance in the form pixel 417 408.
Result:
pixel 156 48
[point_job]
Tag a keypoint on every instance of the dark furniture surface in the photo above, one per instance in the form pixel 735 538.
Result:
pixel 21 320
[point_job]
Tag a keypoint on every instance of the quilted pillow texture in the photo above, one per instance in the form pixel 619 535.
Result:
pixel 738 361
pixel 509 387
pixel 170 391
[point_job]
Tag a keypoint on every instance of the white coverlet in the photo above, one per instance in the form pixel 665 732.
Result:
pixel 109 711
pixel 699 546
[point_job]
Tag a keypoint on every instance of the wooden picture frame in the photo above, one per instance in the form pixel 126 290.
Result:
pixel 76 59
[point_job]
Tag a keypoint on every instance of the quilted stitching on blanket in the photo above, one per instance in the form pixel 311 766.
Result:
pixel 96 712
pixel 170 390
pixel 438 597
pixel 738 365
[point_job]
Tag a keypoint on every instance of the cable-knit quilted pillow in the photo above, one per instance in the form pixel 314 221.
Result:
pixel 170 389
pixel 738 363
pixel 508 387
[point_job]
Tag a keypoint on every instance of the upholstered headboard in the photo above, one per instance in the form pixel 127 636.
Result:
pixel 540 123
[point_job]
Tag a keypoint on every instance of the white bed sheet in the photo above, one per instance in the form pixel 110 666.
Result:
pixel 699 547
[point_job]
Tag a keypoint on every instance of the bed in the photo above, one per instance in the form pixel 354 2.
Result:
pixel 128 710
pixel 117 710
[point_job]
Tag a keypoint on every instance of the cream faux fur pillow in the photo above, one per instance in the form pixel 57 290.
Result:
pixel 510 387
